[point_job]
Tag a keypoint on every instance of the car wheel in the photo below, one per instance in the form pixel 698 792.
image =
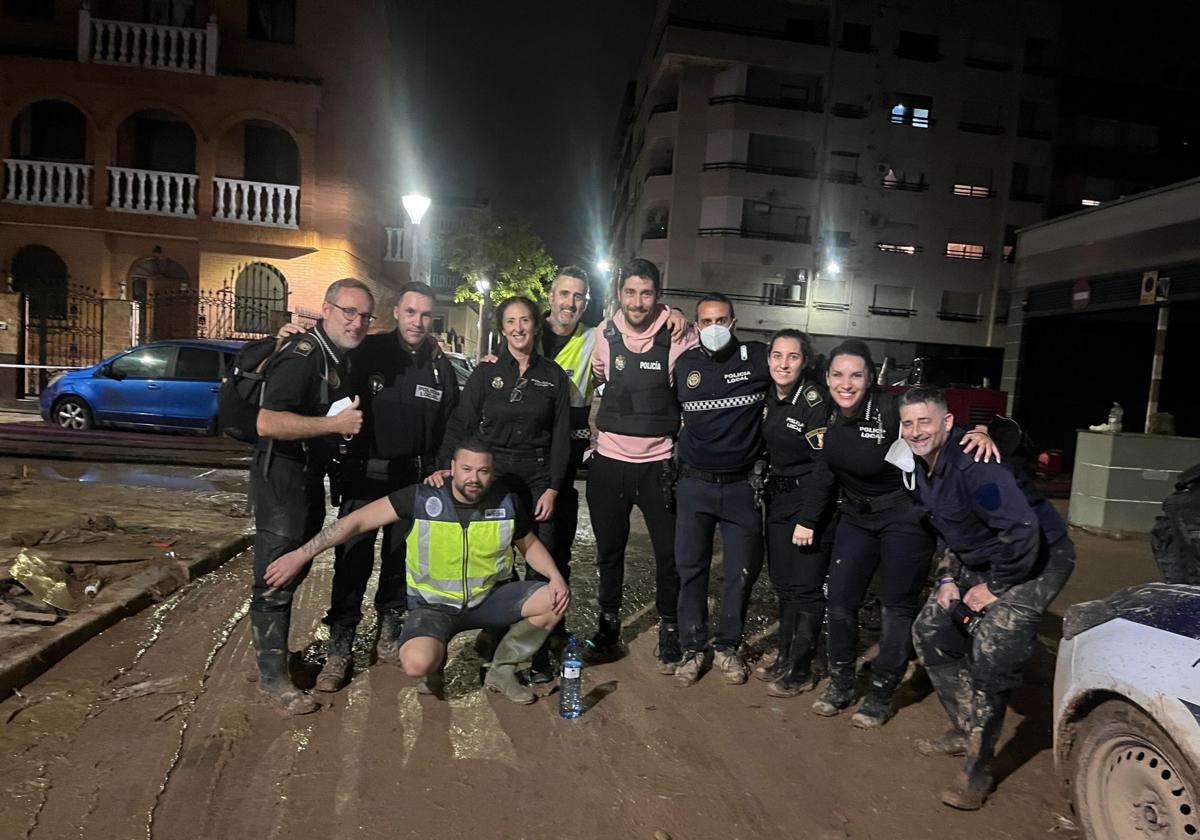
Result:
pixel 72 413
pixel 1130 780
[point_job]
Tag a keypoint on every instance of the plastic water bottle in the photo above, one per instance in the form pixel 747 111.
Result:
pixel 1116 414
pixel 570 684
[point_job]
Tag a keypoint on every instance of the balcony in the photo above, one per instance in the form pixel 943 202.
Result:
pixel 893 311
pixel 750 233
pixel 395 245
pixel 920 185
pixel 980 128
pixel 898 248
pixel 783 102
pixel 843 178
pixel 782 298
pixel 254 203
pixel 966 251
pixel 760 169
pixel 962 317
pixel 973 191
pixel 181 49
pixel 47 183
pixel 153 193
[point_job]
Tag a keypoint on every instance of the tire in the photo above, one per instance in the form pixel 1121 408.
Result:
pixel 1130 782
pixel 72 413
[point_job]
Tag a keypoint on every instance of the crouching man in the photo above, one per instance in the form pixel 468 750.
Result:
pixel 1006 555
pixel 459 566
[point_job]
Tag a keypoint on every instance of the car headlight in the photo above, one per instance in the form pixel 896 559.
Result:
pixel 55 377
pixel 1084 616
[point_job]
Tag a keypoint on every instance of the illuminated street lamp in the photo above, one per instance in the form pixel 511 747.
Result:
pixel 416 206
pixel 603 266
pixel 483 286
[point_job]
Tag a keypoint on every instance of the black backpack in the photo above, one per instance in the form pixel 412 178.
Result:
pixel 241 392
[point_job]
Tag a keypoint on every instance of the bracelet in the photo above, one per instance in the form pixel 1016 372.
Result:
pixel 943 581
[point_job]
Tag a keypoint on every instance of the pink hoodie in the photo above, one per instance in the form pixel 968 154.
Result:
pixel 627 447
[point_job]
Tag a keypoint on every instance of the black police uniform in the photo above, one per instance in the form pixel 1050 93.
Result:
pixel 721 395
pixel 798 493
pixel 307 375
pixel 407 399
pixel 526 420
pixel 881 527
pixel 1003 533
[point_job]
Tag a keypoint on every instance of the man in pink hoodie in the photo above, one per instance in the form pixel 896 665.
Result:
pixel 638 421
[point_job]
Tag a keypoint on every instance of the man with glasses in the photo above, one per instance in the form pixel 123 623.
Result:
pixel 298 436
pixel 409 392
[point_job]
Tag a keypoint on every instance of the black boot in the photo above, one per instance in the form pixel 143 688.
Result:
pixel 339 660
pixel 974 784
pixel 787 629
pixel 796 676
pixel 391 625
pixel 670 654
pixel 877 707
pixel 271 651
pixel 839 693
pixel 541 669
pixel 952 683
pixel 607 641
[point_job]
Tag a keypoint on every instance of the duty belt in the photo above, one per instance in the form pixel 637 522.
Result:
pixel 873 504
pixel 419 465
pixel 713 477
pixel 507 453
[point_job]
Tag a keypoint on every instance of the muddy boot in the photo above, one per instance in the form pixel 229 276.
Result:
pixel 339 660
pixel 974 782
pixel 485 643
pixel 541 668
pixel 787 629
pixel 693 666
pixel 391 625
pixel 433 684
pixel 877 706
pixel 839 693
pixel 271 651
pixel 952 683
pixel 796 676
pixel 607 641
pixel 669 653
pixel 519 644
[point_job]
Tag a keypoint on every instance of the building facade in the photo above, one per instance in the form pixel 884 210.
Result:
pixel 848 168
pixel 217 162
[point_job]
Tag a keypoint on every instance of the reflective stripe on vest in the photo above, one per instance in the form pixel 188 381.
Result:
pixel 451 565
pixel 575 358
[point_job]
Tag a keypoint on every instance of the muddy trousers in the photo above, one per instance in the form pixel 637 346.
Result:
pixel 703 506
pixel 975 674
pixel 613 488
pixel 798 576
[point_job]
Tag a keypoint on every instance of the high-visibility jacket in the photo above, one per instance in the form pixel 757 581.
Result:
pixel 454 565
pixel 575 358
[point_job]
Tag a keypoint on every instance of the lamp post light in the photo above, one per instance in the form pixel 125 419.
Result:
pixel 483 286
pixel 416 206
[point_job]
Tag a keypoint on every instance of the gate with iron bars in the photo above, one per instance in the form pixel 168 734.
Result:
pixel 254 306
pixel 61 327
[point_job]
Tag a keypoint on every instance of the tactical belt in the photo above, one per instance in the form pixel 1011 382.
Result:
pixel 713 477
pixel 506 453
pixel 420 466
pixel 874 504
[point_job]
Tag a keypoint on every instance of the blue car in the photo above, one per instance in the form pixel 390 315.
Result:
pixel 161 385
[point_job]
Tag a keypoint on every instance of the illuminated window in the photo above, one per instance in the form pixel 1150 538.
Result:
pixel 1090 202
pixel 896 248
pixel 973 190
pixel 909 109
pixel 965 251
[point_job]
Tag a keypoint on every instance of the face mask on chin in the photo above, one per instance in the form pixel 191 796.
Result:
pixel 900 456
pixel 715 337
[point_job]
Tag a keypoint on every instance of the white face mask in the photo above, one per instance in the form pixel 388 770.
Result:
pixel 900 456
pixel 714 337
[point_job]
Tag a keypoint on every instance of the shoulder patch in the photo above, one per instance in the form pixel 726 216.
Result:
pixel 433 506
pixel 816 438
pixel 302 347
pixel 987 496
pixel 693 379
pixel 812 396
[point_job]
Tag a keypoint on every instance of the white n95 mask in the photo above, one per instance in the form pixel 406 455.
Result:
pixel 900 456
pixel 714 337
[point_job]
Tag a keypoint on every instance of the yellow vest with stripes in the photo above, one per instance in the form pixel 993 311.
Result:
pixel 575 358
pixel 453 565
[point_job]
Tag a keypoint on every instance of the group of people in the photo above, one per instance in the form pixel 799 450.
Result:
pixel 831 479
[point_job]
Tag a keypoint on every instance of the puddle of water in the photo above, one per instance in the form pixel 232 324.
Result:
pixel 128 475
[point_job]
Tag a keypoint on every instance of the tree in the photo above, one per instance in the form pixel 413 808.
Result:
pixel 505 252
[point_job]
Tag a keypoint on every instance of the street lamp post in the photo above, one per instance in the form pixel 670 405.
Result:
pixel 416 206
pixel 483 286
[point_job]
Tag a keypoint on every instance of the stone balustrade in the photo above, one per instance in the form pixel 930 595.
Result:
pixel 156 193
pixel 182 49
pixel 396 244
pixel 47 183
pixel 254 203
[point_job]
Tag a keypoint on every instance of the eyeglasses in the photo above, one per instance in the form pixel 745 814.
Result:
pixel 519 391
pixel 351 314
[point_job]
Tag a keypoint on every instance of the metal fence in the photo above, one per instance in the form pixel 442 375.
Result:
pixel 61 327
pixel 190 313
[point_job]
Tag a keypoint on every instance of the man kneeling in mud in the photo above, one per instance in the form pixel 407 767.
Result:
pixel 460 539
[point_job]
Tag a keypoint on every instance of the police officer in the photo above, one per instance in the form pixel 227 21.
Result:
pixel 1007 557
pixel 632 465
pixel 799 530
pixel 408 396
pixel 881 529
pixel 297 439
pixel 721 386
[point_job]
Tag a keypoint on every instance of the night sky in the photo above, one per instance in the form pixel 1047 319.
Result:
pixel 518 102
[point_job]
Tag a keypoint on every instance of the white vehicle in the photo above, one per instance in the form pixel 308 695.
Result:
pixel 1127 713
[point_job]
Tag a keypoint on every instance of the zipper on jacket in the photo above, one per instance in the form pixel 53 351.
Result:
pixel 466 554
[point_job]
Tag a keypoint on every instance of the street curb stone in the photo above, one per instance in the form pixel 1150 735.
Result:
pixel 132 595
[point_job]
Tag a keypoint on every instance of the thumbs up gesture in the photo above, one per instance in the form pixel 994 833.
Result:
pixel 349 420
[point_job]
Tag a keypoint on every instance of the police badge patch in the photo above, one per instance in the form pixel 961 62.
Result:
pixel 497 382
pixel 812 396
pixel 375 383
pixel 433 506
pixel 303 347
pixel 619 363
pixel 816 438
pixel 693 379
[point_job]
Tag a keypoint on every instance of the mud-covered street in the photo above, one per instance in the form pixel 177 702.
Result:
pixel 153 729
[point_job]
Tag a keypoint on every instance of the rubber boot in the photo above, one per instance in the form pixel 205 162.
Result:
pixel 974 782
pixel 787 629
pixel 391 625
pixel 877 707
pixel 541 668
pixel 607 641
pixel 339 660
pixel 271 651
pixel 796 676
pixel 952 683
pixel 519 644
pixel 839 693
pixel 433 684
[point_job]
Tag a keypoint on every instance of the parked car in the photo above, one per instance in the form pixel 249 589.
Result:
pixel 161 385
pixel 1127 713
pixel 463 366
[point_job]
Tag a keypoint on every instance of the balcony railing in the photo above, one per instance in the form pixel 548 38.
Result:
pixel 750 233
pixel 898 248
pixel 659 232
pixel 768 102
pixel 973 191
pixel 395 245
pixel 780 299
pixel 760 169
pixel 254 203
pixel 843 177
pixel 904 186
pixel 47 183
pixel 963 317
pixel 156 193
pixel 894 311
pixel 182 49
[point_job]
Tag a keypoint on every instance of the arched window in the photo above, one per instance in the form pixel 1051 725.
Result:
pixel 259 294
pixel 41 275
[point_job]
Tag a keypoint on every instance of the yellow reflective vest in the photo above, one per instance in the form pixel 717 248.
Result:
pixel 575 358
pixel 453 565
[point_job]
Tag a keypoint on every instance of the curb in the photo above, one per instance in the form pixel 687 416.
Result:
pixel 130 596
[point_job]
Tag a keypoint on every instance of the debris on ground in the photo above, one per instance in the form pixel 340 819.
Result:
pixel 45 580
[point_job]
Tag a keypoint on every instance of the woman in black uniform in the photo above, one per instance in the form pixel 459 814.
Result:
pixel 881 528
pixel 798 496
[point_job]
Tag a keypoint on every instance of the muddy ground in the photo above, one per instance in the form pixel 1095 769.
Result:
pixel 153 730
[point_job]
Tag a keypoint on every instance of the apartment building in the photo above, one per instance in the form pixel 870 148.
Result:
pixel 217 162
pixel 849 168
